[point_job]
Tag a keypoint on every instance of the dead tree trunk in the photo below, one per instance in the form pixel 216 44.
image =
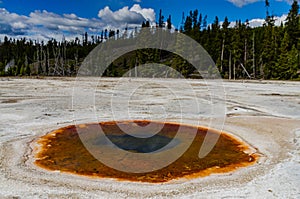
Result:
pixel 222 55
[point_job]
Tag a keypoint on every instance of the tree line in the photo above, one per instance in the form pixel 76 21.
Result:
pixel 267 52
pixel 239 51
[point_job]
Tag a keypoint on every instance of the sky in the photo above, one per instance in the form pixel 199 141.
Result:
pixel 46 19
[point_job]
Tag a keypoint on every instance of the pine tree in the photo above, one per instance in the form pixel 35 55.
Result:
pixel 178 63
pixel 293 61
pixel 293 25
pixel 216 42
pixel 269 19
pixel 169 23
pixel 195 18
pixel 188 25
pixel 22 70
pixel 2 67
pixel 286 66
pixel 27 70
pixel 200 22
pixel 268 55
pixel 225 47
pixel 236 47
pixel 161 19
pixel 204 26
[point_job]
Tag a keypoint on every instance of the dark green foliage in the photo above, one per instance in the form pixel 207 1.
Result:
pixel 169 23
pixel 161 23
pixel 286 66
pixel 257 51
pixel 33 58
pixel 124 65
pixel 293 25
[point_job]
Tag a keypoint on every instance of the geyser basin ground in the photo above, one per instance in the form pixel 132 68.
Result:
pixel 62 150
pixel 266 114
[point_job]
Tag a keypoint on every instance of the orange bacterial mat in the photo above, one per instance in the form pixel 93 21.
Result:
pixel 62 150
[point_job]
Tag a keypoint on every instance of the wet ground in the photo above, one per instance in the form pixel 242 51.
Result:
pixel 266 114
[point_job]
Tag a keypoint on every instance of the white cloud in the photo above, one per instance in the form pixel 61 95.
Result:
pixel 12 23
pixel 66 22
pixel 280 19
pixel 241 3
pixel 19 25
pixel 130 17
pixel 288 1
pixel 124 15
pixel 138 1
pixel 44 24
pixel 37 22
pixel 260 22
pixel 148 13
pixel 256 22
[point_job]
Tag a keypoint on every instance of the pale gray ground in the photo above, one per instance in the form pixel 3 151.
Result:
pixel 265 114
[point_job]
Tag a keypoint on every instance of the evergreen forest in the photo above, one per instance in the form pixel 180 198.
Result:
pixel 239 51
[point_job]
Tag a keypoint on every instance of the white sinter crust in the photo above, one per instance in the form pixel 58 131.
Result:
pixel 264 114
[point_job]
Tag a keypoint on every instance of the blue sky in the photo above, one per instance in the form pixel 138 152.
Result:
pixel 48 18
